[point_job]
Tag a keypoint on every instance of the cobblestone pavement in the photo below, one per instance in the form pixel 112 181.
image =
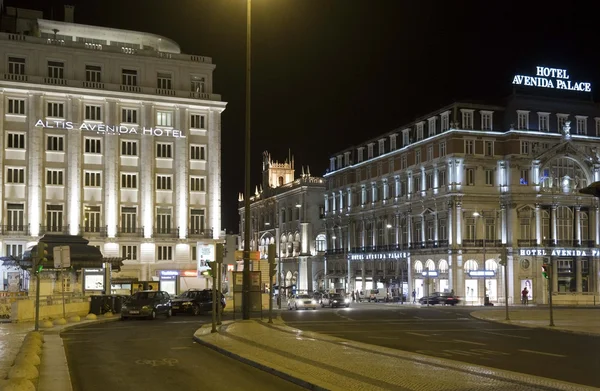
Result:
pixel 577 320
pixel 336 364
pixel 11 338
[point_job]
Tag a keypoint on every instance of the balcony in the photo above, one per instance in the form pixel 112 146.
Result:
pixel 568 243
pixel 16 230
pixel 55 229
pixel 99 232
pixel 527 243
pixel 481 243
pixel 200 233
pixel 130 231
pixel 429 244
pixel 166 232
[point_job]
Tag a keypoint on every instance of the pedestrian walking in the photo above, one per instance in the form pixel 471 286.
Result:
pixel 414 294
pixel 353 297
pixel 525 296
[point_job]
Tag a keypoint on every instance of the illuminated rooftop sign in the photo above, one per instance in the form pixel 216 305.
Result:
pixel 554 78
pixel 109 129
pixel 559 252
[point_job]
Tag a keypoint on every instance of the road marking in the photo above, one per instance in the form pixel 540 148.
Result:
pixel 491 352
pixel 471 342
pixel 544 353
pixel 180 347
pixel 461 352
pixel 416 317
pixel 157 363
pixel 382 337
pixel 418 334
pixel 506 335
pixel 337 312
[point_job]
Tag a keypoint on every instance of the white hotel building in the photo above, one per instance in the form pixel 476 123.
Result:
pixel 111 134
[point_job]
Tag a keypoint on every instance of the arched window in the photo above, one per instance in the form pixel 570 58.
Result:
pixel 563 174
pixel 584 226
pixel 564 223
pixel 443 266
pixel 545 225
pixel 430 265
pixel 470 265
pixel 526 223
pixel 491 264
pixel 321 243
pixel 418 267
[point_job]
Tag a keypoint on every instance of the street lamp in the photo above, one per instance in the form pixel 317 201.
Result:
pixel 246 272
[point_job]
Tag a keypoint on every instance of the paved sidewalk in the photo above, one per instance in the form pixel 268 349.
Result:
pixel 11 339
pixel 322 362
pixel 575 320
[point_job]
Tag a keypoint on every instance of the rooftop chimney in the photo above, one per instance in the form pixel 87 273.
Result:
pixel 69 13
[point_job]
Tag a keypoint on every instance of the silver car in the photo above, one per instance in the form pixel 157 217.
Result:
pixel 302 302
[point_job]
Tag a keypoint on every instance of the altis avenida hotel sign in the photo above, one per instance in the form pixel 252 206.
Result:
pixel 109 129
pixel 558 79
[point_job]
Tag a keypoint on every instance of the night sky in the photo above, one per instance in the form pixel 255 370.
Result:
pixel 328 74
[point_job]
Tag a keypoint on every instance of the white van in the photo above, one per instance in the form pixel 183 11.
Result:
pixel 377 295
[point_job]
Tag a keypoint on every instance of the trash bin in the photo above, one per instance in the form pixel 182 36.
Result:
pixel 97 304
pixel 117 303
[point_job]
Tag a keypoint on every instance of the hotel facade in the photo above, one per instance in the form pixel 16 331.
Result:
pixel 111 134
pixel 439 204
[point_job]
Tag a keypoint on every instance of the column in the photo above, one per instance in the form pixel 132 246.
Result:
pixel 594 219
pixel 577 225
pixel 181 174
pixel 363 275
pixel 363 234
pixel 422 238
pixel 397 230
pixel 451 228
pixel 35 175
pixel 374 232
pixel 578 275
pixel 553 219
pixel 435 226
pixel 459 218
pixel 214 171
pixel 73 141
pixel 408 230
pixel 538 224
pixel 409 277
pixel 325 279
pixel 111 172
pixel 554 275
pixel 146 182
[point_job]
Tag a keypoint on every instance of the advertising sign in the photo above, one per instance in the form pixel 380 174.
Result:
pixel 170 275
pixel 93 279
pixel 109 128
pixel 558 79
pixel 206 253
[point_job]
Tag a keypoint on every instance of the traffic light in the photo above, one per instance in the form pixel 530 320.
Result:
pixel 42 255
pixel 212 269
pixel 272 264
pixel 546 270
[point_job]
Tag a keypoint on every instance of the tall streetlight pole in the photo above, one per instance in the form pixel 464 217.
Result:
pixel 246 272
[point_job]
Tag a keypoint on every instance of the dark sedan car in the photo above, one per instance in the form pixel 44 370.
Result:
pixel 146 304
pixel 195 302
pixel 440 298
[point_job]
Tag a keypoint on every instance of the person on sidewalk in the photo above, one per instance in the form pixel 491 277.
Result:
pixel 353 297
pixel 525 296
pixel 414 295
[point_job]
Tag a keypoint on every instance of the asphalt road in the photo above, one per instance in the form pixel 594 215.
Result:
pixel 156 356
pixel 450 332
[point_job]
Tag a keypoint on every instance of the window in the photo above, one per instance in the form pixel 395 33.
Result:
pixel 129 116
pixel 403 162
pixel 381 147
pixel 418 156
pixel 428 181
pixel 369 151
pixel 525 228
pixel 544 121
pixel 489 148
pixel 197 152
pixel 128 148
pixel 597 120
pixel 129 77
pixel 393 142
pixel 562 119
pixel 197 221
pixel 197 184
pixel 405 137
pixel 16 66
pixel 164 81
pixel 470 229
pixel 470 177
pixel 490 229
pixel 54 218
pixel 486 120
pixel 489 177
pixel 321 243
pixel 16 106
pixel 198 84
pixel 15 217
pixel 93 145
pixel 15 175
pixel 129 252
pixel 14 250
pixel 92 179
pixel 469 147
pixel 56 69
pixel 522 119
pixel 165 253
pixel 129 181
pixel 93 73
pixel 430 152
pixel 525 148
pixel 441 178
pixel 445 121
pixel 128 219
pixel 56 110
pixel 197 121
pixel 93 113
pixel 420 126
pixel 15 141
pixel 467 119
pixel 164 150
pixel 581 124
pixel 359 152
pixel 91 217
pixel 524 179
pixel 164 118
pixel 442 148
pixel 431 126
pixel 417 184
pixel 163 182
pixel 55 143
pixel 193 252
pixel 54 177
pixel 163 220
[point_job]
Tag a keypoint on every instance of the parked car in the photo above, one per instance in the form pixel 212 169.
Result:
pixel 302 302
pixel 195 302
pixel 377 295
pixel 440 298
pixel 334 300
pixel 147 304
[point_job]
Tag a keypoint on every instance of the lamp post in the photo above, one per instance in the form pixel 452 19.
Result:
pixel 246 272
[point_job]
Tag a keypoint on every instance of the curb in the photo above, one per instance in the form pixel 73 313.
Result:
pixel 283 375
pixel 549 328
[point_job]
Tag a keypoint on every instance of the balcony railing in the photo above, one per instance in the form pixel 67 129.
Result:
pixel 527 242
pixel 166 232
pixel 200 233
pixel 93 231
pixel 15 230
pixel 130 231
pixel 568 243
pixel 481 243
pixel 55 229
